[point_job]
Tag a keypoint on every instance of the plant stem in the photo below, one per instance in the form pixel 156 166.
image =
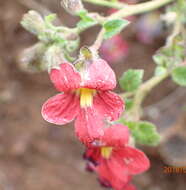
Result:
pixel 139 8
pixel 116 5
pixel 176 30
pixel 126 10
pixel 99 40
pixel 146 87
pixel 143 91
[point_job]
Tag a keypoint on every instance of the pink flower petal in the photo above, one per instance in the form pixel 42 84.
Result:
pixel 100 76
pixel 116 135
pixel 66 78
pixel 112 171
pixel 109 104
pixel 135 160
pixel 93 154
pixel 89 125
pixel 61 109
pixel 130 187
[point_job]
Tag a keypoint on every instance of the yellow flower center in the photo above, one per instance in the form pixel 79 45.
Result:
pixel 86 97
pixel 106 152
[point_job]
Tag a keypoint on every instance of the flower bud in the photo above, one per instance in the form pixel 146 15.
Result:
pixel 53 57
pixel 72 6
pixel 33 22
pixel 30 59
pixel 86 53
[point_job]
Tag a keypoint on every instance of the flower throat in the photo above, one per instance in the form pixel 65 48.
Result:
pixel 86 97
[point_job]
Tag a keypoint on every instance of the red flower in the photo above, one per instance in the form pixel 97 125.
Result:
pixel 114 49
pixel 85 96
pixel 115 161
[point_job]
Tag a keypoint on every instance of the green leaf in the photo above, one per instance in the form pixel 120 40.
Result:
pixel 172 54
pixel 128 104
pixel 131 79
pixel 83 24
pixel 179 75
pixel 132 125
pixel 159 58
pixel 160 70
pixel 143 132
pixel 82 14
pixel 86 21
pixel 113 27
pixel 50 18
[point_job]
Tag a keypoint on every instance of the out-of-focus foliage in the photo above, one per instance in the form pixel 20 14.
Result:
pixel 179 75
pixel 143 132
pixel 86 21
pixel 114 27
pixel 56 42
pixel 131 79
pixel 128 103
pixel 172 55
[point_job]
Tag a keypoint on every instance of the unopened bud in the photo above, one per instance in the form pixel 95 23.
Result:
pixel 33 22
pixel 53 57
pixel 72 6
pixel 29 60
pixel 86 53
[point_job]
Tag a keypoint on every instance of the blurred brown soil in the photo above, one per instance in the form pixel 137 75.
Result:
pixel 36 155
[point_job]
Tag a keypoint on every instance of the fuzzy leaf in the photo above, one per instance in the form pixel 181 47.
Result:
pixel 131 79
pixel 86 21
pixel 160 70
pixel 50 18
pixel 146 133
pixel 179 75
pixel 172 54
pixel 113 27
pixel 143 132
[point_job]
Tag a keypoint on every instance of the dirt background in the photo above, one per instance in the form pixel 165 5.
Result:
pixel 35 155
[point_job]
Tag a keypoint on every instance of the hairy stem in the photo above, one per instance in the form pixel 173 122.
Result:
pixel 146 87
pixel 127 10
pixel 99 40
pixel 142 92
pixel 140 8
pixel 116 5
pixel 175 32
